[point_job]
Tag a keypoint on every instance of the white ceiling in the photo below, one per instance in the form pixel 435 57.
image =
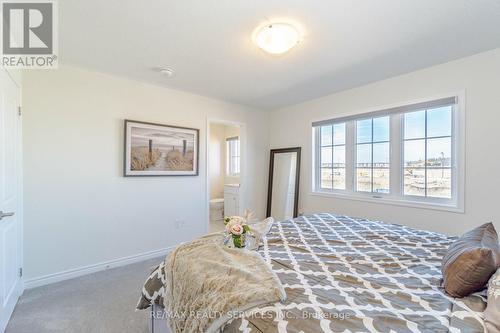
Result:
pixel 347 43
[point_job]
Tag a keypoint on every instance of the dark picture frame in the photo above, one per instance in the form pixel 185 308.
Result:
pixel 297 179
pixel 157 150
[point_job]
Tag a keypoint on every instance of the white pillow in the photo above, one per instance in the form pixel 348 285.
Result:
pixel 492 312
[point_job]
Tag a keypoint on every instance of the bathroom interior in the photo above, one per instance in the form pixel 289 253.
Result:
pixel 224 173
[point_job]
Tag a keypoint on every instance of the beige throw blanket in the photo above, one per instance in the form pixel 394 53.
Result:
pixel 208 283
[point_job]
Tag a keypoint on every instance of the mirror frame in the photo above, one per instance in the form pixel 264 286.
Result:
pixel 297 179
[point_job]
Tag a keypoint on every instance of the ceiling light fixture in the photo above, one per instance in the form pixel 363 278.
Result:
pixel 276 38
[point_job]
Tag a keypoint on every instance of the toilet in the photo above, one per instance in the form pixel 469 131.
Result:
pixel 216 209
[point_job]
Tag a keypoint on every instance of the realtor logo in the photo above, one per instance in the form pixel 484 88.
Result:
pixel 29 34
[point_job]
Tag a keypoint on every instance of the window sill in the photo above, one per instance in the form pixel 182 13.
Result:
pixel 391 201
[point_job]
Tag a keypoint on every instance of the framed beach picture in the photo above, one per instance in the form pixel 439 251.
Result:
pixel 160 150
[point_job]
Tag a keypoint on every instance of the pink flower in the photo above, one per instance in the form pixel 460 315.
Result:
pixel 235 219
pixel 236 229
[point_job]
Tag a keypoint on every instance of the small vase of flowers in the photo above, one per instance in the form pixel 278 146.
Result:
pixel 236 229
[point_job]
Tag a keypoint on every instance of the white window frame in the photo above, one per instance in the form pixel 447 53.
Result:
pixel 396 196
pixel 229 156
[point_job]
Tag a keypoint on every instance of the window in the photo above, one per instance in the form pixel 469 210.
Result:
pixel 427 153
pixel 372 155
pixel 333 156
pixel 407 155
pixel 233 156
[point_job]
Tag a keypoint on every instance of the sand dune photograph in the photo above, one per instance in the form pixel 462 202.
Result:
pixel 160 150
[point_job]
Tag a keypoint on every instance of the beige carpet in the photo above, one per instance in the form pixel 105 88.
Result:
pixel 100 302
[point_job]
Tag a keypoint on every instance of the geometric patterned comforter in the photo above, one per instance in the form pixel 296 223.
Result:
pixel 355 275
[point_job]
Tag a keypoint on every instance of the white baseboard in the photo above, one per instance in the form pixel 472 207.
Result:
pixel 76 272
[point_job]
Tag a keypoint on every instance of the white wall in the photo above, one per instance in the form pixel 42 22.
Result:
pixel 479 75
pixel 79 210
pixel 216 168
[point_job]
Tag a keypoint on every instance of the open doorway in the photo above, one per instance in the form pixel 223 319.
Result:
pixel 224 172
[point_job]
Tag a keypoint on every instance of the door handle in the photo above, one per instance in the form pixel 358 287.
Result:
pixel 2 214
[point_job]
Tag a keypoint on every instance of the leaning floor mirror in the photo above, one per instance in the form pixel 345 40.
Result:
pixel 284 176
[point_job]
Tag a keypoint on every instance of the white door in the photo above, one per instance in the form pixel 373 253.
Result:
pixel 10 198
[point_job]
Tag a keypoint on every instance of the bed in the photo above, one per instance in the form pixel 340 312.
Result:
pixel 344 274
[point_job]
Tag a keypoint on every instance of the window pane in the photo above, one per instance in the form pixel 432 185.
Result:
pixel 234 168
pixel 364 156
pixel 339 157
pixel 326 178
pixel 339 179
pixel 364 131
pixel 439 152
pixel 439 122
pixel 326 135
pixel 326 157
pixel 364 180
pixel 233 147
pixel 339 134
pixel 414 125
pixel 381 155
pixel 381 180
pixel 414 153
pixel 439 183
pixel 414 181
pixel 237 165
pixel 381 129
